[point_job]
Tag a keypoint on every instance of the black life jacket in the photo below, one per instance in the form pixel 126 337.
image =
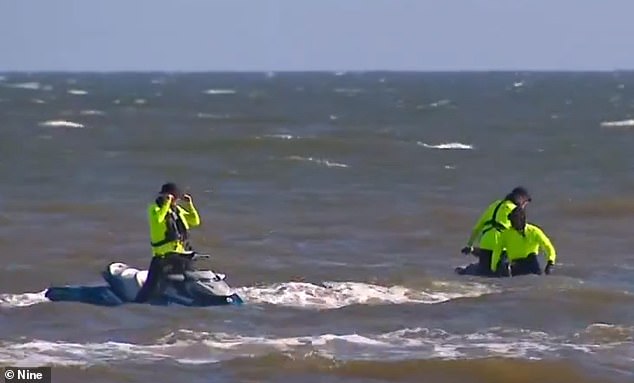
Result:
pixel 175 229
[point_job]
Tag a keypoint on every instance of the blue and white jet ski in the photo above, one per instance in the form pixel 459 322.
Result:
pixel 189 287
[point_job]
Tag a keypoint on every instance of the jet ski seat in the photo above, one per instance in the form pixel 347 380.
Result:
pixel 141 277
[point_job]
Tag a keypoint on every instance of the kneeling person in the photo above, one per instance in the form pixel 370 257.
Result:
pixel 488 229
pixel 522 242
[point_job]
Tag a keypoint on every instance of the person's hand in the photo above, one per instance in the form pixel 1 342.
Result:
pixel 504 270
pixel 187 198
pixel 467 250
pixel 549 266
pixel 164 199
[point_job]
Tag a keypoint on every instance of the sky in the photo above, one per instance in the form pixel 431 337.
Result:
pixel 303 35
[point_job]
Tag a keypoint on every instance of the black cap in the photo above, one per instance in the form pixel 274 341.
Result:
pixel 171 188
pixel 521 191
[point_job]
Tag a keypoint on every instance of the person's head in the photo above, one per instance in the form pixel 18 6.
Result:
pixel 170 188
pixel 519 196
pixel 518 218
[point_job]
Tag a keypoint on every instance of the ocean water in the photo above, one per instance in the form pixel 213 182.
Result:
pixel 336 203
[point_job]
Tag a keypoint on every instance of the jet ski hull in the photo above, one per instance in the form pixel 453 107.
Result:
pixel 96 295
pixel 104 296
pixel 198 289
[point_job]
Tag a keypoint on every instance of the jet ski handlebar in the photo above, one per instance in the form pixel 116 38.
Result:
pixel 192 255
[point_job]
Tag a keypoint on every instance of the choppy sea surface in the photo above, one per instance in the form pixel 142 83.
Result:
pixel 336 203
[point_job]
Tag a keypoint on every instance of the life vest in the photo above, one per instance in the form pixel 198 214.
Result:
pixel 492 223
pixel 175 229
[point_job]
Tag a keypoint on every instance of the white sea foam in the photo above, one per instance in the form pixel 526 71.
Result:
pixel 77 92
pixel 61 124
pixel 23 299
pixel 436 104
pixel 447 146
pixel 348 91
pixel 212 116
pixel 25 85
pixel 219 91
pixel 618 124
pixel 187 347
pixel 92 112
pixel 318 161
pixel 332 295
pixel 279 136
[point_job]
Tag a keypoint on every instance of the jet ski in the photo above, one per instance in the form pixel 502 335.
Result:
pixel 183 284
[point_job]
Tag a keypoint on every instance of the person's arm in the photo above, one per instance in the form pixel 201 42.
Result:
pixel 159 213
pixel 546 244
pixel 497 252
pixel 477 229
pixel 191 214
pixel 503 214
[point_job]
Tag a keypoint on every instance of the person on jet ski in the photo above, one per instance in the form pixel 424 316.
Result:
pixel 169 227
pixel 487 231
pixel 522 242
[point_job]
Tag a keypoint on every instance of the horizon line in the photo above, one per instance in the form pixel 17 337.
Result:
pixel 342 71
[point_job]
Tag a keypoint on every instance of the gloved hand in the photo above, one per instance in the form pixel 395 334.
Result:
pixel 467 250
pixel 549 265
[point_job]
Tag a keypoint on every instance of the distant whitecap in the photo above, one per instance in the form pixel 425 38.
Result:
pixel 348 91
pixel 212 116
pixel 447 146
pixel 91 112
pixel 318 161
pixel 280 136
pixel 61 124
pixel 436 104
pixel 219 91
pixel 618 124
pixel 25 85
